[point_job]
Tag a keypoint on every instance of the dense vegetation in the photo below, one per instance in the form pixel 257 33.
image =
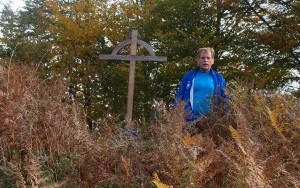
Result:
pixel 254 41
pixel 53 85
pixel 44 142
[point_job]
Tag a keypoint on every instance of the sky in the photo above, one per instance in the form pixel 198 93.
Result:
pixel 16 4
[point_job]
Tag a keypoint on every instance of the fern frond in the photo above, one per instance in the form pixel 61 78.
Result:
pixel 35 172
pixel 234 133
pixel 272 117
pixel 274 123
pixel 158 183
pixel 189 141
pixel 256 100
pixel 19 177
pixel 127 167
pixel 236 137
pixel 57 185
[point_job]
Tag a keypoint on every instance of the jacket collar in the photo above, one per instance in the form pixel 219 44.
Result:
pixel 196 69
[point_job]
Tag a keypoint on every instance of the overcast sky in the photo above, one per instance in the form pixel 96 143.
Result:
pixel 15 3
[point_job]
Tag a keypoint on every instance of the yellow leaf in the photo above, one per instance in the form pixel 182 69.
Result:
pixel 158 183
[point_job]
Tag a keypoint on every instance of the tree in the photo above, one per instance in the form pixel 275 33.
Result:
pixel 179 28
pixel 63 39
pixel 274 31
pixel 24 32
pixel 82 31
pixel 245 35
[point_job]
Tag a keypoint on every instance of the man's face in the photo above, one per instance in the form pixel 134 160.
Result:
pixel 205 61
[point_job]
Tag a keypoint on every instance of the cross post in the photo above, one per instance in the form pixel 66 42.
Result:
pixel 134 42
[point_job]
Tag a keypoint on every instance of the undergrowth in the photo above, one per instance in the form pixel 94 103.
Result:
pixel 44 142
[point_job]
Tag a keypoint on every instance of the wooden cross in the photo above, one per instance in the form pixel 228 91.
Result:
pixel 132 58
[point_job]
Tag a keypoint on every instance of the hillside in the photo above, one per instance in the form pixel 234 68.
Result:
pixel 44 141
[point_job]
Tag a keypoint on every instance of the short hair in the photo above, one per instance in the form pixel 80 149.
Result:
pixel 211 50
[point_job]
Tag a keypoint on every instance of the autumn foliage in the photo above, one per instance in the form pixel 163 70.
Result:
pixel 257 41
pixel 45 143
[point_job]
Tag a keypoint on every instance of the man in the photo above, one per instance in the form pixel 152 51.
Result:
pixel 202 87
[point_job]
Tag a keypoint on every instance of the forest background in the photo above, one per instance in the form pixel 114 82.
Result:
pixel 52 84
pixel 256 41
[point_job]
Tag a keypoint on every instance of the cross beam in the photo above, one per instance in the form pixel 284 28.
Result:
pixel 132 58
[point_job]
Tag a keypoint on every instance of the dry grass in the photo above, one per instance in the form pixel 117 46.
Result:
pixel 39 122
pixel 44 142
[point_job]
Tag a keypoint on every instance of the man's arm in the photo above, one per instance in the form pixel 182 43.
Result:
pixel 180 92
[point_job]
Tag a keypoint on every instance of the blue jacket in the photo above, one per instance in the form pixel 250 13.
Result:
pixel 184 93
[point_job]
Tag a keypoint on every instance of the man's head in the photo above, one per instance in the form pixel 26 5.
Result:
pixel 205 58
